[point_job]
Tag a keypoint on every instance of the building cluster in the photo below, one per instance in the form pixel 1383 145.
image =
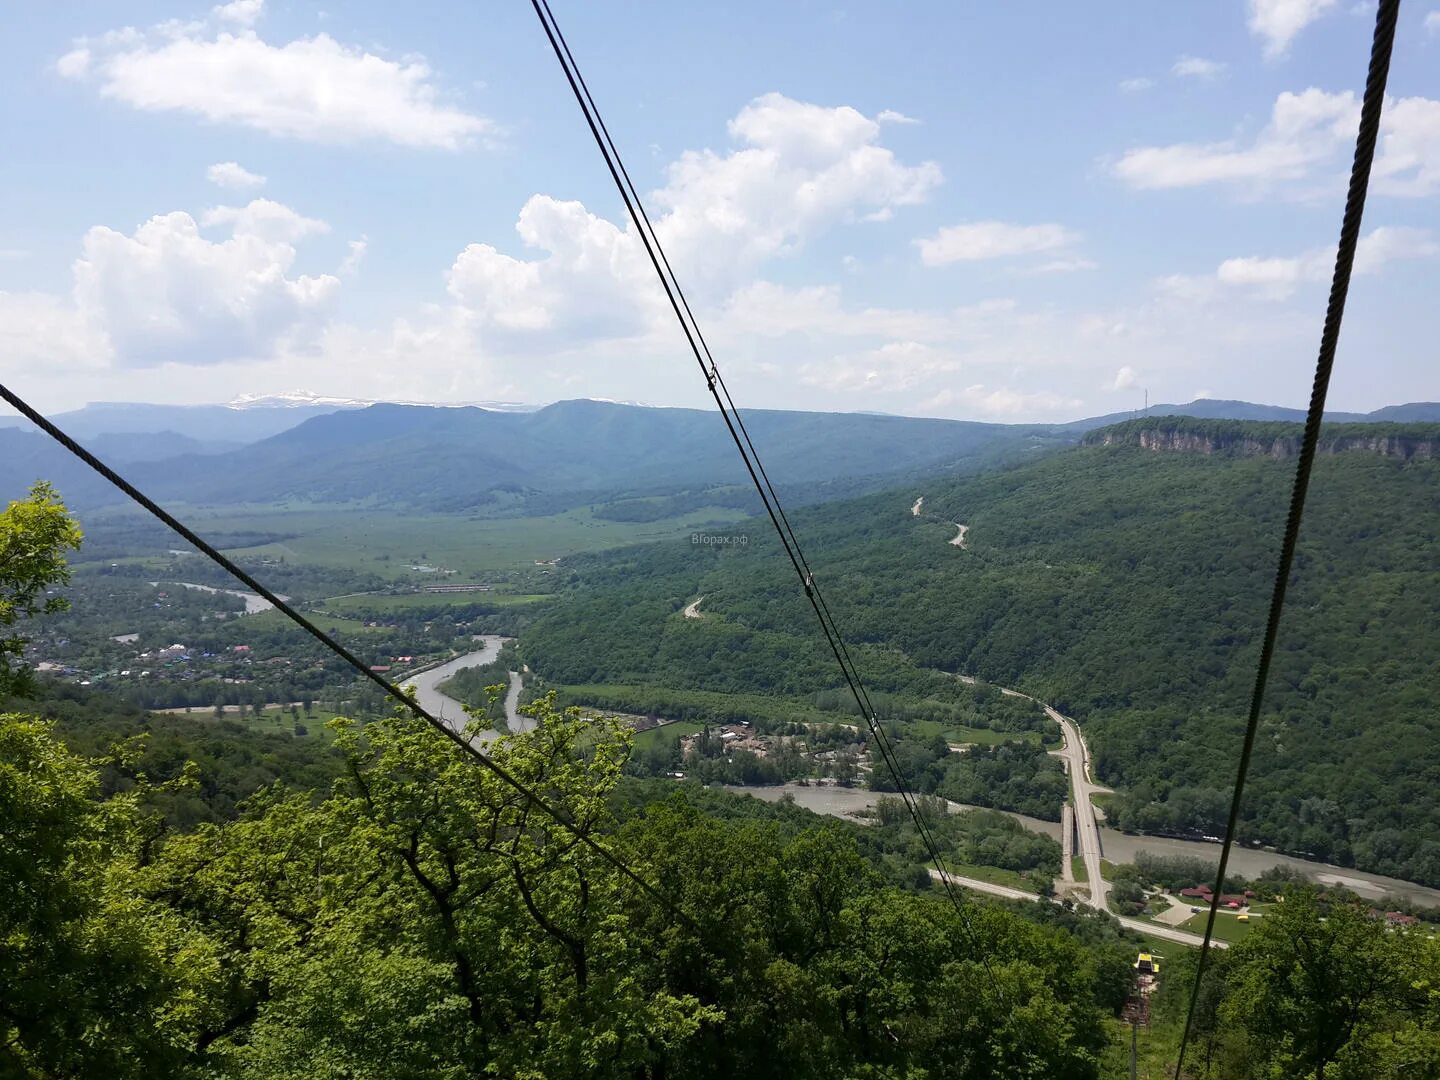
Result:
pixel 1395 918
pixel 797 755
pixel 731 737
pixel 1204 894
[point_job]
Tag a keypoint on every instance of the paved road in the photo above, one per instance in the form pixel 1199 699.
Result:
pixel 1169 933
pixel 986 886
pixel 1077 764
pixel 1082 786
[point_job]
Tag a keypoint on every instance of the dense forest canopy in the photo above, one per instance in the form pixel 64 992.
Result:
pixel 1126 587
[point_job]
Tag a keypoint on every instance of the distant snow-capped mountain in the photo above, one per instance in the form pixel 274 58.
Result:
pixel 293 399
pixel 305 399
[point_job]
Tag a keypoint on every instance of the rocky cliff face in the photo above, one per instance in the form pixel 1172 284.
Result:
pixel 1249 444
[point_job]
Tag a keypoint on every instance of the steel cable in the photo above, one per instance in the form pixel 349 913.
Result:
pixel 392 690
pixel 1370 110
pixel 734 424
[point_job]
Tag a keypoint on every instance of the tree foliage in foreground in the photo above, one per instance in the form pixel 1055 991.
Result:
pixel 1317 989
pixel 35 534
pixel 427 920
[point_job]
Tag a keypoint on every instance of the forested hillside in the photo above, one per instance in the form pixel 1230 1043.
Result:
pixel 1124 586
pixel 186 897
pixel 564 454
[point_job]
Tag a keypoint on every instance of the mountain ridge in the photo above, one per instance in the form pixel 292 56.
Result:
pixel 1274 439
pixel 463 457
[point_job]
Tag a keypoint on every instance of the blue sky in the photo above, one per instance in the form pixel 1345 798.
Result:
pixel 989 211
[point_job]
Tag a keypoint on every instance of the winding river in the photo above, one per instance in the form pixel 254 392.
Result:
pixel 1121 847
pixel 432 700
pixel 254 602
pixel 1117 847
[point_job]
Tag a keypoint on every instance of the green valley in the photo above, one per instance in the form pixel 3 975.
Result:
pixel 1127 587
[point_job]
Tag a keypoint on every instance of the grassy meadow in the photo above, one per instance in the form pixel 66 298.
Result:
pixel 380 541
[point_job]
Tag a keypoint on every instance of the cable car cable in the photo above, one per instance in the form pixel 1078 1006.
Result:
pixel 1381 48
pixel 393 691
pixel 768 496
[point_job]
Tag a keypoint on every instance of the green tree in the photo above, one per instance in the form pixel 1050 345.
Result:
pixel 429 920
pixel 35 534
pixel 1313 987
pixel 83 982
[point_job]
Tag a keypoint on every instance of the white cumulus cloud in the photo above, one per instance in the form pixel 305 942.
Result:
pixel 1304 129
pixel 1408 159
pixel 1196 67
pixel 1389 243
pixel 40 332
pixel 894 366
pixel 594 281
pixel 1277 22
pixel 1066 265
pixel 1307 131
pixel 74 64
pixel 272 221
pixel 354 256
pixel 1002 401
pixel 977 240
pixel 1125 378
pixel 315 88
pixel 230 174
pixel 243 12
pixel 167 293
pixel 1278 277
pixel 799 170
